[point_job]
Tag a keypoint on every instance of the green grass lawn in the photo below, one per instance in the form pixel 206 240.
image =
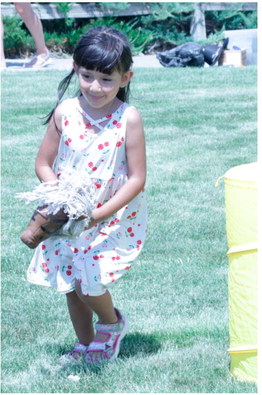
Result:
pixel 199 123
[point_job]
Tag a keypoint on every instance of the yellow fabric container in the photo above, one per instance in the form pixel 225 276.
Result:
pixel 241 204
pixel 241 226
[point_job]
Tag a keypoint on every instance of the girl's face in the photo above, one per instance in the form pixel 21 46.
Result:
pixel 99 89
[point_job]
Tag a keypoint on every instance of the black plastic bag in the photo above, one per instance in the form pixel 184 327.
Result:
pixel 188 54
pixel 192 54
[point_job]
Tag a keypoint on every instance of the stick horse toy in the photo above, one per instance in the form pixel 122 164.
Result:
pixel 64 207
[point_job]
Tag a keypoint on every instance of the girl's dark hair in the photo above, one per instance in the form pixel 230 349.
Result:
pixel 102 49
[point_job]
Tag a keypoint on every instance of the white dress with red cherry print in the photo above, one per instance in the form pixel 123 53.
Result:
pixel 102 254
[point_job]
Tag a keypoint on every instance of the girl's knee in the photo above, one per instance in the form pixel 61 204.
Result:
pixel 71 296
pixel 79 292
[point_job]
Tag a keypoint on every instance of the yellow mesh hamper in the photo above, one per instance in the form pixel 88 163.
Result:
pixel 241 226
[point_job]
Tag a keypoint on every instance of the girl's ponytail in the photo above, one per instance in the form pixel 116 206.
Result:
pixel 62 88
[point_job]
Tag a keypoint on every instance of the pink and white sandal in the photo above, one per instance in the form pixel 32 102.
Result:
pixel 76 354
pixel 107 349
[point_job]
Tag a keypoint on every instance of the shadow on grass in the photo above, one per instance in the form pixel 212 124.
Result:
pixel 139 343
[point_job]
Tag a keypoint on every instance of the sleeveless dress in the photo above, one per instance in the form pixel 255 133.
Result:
pixel 102 254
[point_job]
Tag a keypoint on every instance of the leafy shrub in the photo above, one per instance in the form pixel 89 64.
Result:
pixel 167 26
pixel 230 19
pixel 138 36
pixel 170 22
pixel 17 41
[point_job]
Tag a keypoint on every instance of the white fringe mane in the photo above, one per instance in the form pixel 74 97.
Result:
pixel 73 191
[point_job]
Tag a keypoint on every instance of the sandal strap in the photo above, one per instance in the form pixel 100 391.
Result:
pixel 107 327
pixel 79 347
pixel 104 345
pixel 75 355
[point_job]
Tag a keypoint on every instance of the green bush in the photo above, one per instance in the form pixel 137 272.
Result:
pixel 138 36
pixel 167 26
pixel 17 41
pixel 231 19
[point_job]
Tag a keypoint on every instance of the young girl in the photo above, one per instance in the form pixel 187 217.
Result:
pixel 99 132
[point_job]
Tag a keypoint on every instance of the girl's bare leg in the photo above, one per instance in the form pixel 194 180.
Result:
pixel 81 316
pixel 103 306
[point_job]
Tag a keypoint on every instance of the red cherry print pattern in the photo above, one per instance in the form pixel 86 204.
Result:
pixel 118 124
pixel 91 165
pixel 68 141
pixel 44 265
pixel 116 258
pixel 130 231
pixel 113 222
pixel 132 216
pixel 100 146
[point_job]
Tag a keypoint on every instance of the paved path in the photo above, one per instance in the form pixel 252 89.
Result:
pixel 66 64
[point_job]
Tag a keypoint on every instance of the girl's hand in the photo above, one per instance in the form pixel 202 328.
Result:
pixel 94 219
pixel 91 224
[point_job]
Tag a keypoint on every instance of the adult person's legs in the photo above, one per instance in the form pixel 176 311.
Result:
pixel 34 25
pixel 2 54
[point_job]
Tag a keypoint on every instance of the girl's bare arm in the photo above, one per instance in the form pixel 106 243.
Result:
pixel 48 149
